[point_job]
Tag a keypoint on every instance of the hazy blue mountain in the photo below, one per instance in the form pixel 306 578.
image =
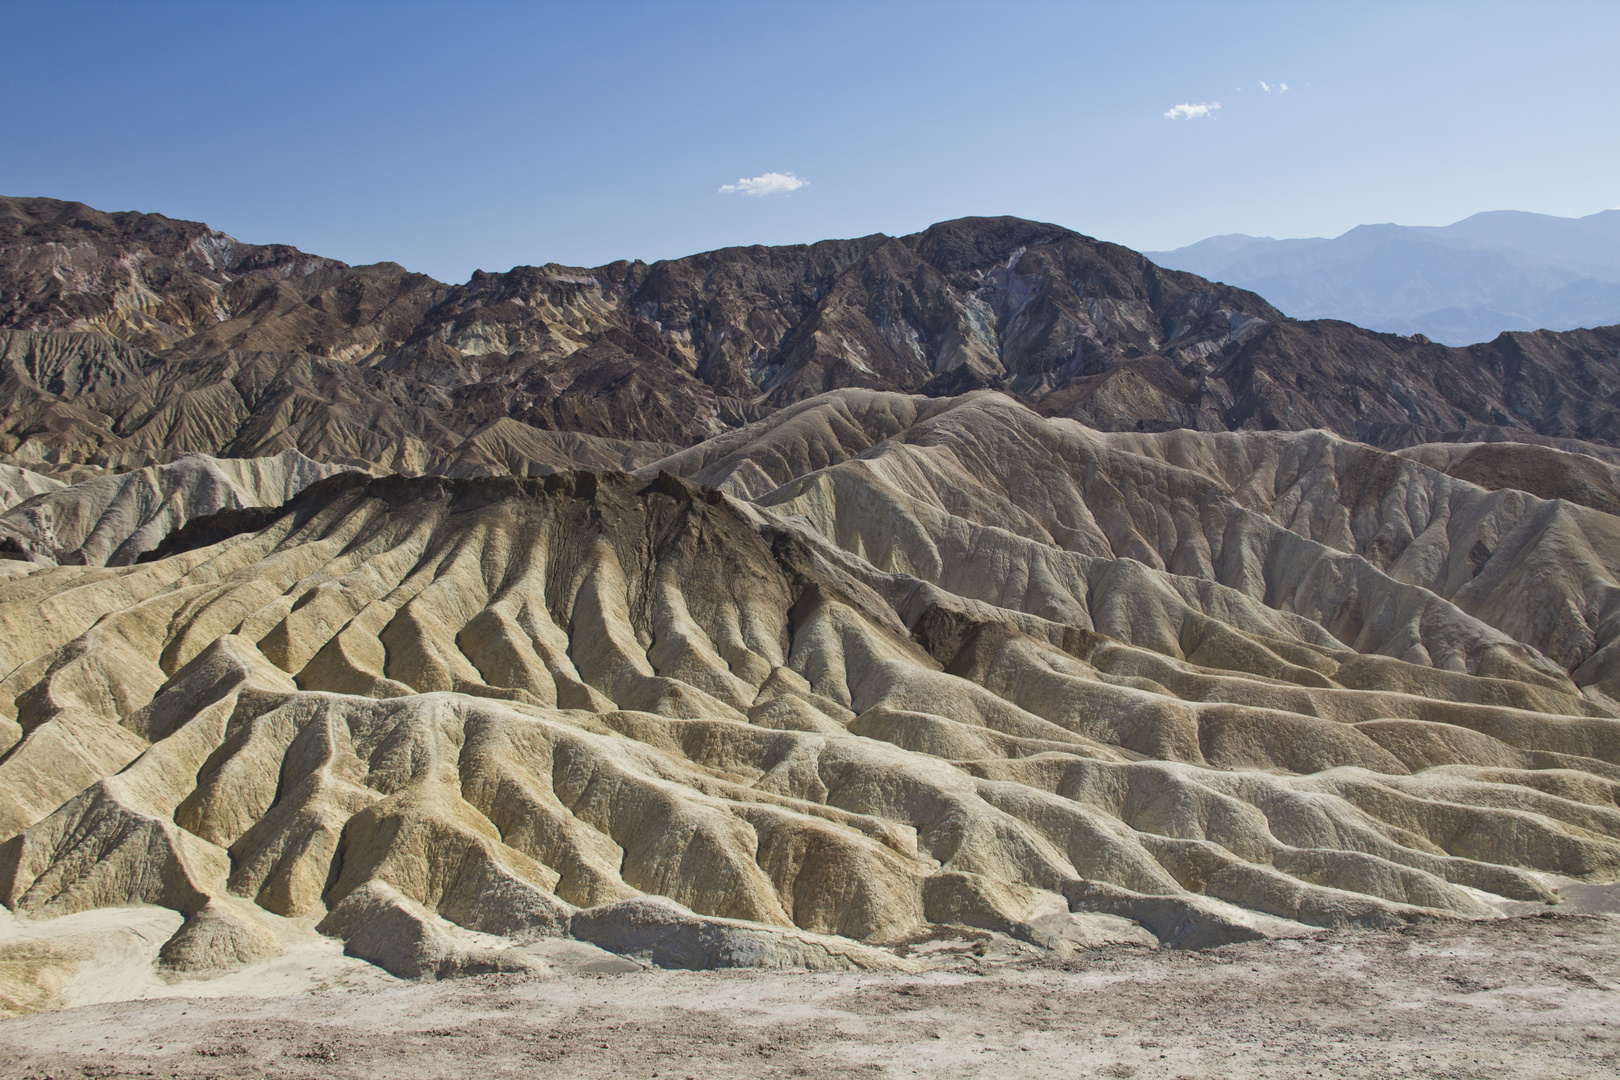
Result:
pixel 1458 284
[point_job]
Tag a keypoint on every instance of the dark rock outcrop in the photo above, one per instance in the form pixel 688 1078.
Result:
pixel 137 338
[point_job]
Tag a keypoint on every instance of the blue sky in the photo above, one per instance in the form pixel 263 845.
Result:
pixel 450 137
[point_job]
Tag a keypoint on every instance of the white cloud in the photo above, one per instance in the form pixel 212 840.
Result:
pixel 1193 112
pixel 771 183
pixel 1265 86
pixel 1282 88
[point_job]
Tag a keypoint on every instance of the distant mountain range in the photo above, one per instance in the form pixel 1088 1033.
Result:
pixel 129 339
pixel 1458 284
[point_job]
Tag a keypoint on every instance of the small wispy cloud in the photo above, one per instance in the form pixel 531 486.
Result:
pixel 1281 88
pixel 1189 111
pixel 771 183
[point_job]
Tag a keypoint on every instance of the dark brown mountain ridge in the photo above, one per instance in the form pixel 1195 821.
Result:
pixel 132 337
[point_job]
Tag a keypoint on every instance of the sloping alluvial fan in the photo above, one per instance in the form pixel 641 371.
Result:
pixel 799 693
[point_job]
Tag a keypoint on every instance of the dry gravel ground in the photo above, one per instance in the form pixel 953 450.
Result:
pixel 1530 997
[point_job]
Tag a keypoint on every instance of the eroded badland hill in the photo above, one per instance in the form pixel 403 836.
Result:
pixel 870 605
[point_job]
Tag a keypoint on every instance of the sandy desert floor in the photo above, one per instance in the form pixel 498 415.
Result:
pixel 1525 997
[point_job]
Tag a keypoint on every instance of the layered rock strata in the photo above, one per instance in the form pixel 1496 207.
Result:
pixel 805 693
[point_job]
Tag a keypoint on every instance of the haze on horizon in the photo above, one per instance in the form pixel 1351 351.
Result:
pixel 484 135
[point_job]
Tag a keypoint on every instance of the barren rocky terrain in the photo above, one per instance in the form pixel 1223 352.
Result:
pixel 882 663
pixel 1517 998
pixel 128 339
pixel 334 653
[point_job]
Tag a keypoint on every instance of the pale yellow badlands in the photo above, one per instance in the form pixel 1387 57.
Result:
pixel 797 694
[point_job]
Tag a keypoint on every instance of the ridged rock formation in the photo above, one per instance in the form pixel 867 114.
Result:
pixel 114 520
pixel 795 607
pixel 20 485
pixel 803 693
